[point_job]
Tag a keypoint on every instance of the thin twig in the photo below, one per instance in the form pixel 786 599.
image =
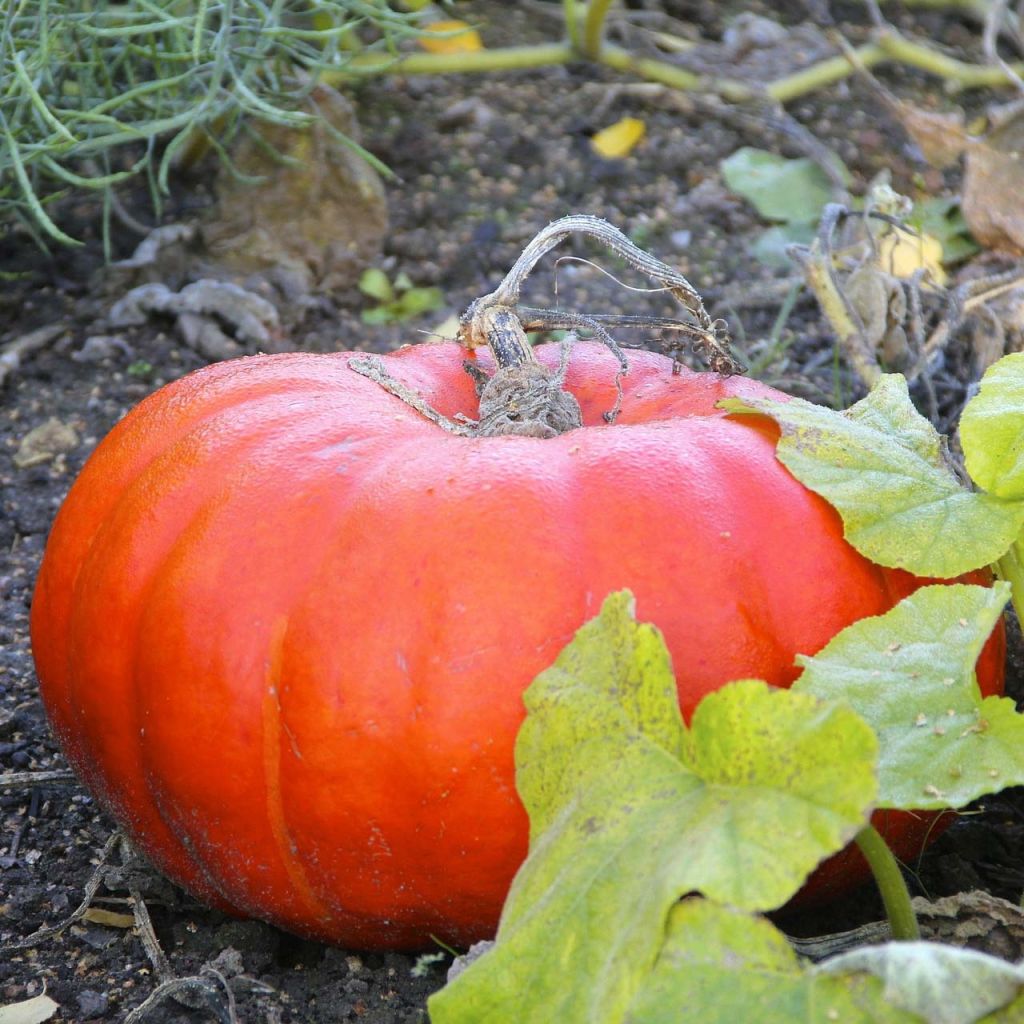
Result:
pixel 91 888
pixel 990 41
pixel 14 351
pixel 12 780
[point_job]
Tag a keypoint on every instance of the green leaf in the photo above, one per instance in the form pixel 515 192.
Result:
pixel 722 966
pixel 780 189
pixel 378 315
pixel 910 675
pixel 418 300
pixel 992 429
pixel 374 282
pixel 771 245
pixel 630 811
pixel 880 464
pixel 940 984
pixel 942 218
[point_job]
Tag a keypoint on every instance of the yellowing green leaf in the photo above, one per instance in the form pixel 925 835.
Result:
pixel 880 464
pixel 723 966
pixel 903 255
pixel 992 429
pixel 910 675
pixel 619 139
pixel 630 811
pixel 450 37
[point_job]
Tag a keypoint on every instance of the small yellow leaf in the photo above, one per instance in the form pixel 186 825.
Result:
pixel 617 140
pixel 450 37
pixel 110 918
pixel 902 255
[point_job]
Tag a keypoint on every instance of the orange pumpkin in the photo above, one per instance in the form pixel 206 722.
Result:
pixel 284 623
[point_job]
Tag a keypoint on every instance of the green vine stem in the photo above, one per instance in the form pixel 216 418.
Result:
pixel 593 28
pixel 572 25
pixel 510 58
pixel 967 76
pixel 653 70
pixel 889 878
pixel 889 47
pixel 1011 568
pixel 822 74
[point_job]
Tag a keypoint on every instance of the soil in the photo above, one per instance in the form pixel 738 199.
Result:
pixel 481 163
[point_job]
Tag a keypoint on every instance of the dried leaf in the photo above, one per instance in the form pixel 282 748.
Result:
pixel 29 1011
pixel 993 185
pixel 450 37
pixel 318 211
pixel 903 254
pixel 941 138
pixel 45 442
pixel 109 918
pixel 619 139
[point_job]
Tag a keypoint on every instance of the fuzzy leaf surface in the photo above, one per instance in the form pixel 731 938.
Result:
pixel 910 674
pixel 720 965
pixel 880 464
pixel 630 810
pixel 992 429
pixel 940 984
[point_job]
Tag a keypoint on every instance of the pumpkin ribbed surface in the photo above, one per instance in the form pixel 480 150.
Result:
pixel 284 623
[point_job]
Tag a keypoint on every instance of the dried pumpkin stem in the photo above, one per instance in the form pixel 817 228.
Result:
pixel 524 397
pixel 713 342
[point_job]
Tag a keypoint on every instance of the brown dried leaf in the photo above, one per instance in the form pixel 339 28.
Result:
pixel 993 185
pixel 45 442
pixel 322 215
pixel 941 138
pixel 29 1011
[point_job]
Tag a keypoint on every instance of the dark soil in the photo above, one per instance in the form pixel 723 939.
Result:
pixel 474 182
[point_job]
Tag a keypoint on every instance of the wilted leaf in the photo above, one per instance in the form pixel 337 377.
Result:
pixel 45 442
pixel 940 137
pixel 992 429
pixel 630 810
pixel 910 675
pixel 619 139
pixel 109 918
pixel 903 255
pixel 29 1011
pixel 880 464
pixel 941 984
pixel 780 189
pixel 450 37
pixel 306 202
pixel 993 185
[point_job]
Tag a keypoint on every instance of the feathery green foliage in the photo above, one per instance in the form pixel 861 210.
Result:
pixel 96 92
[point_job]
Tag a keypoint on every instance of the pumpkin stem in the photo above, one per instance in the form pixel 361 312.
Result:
pixel 707 334
pixel 526 398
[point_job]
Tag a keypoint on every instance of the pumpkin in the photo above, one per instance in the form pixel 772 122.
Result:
pixel 284 622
